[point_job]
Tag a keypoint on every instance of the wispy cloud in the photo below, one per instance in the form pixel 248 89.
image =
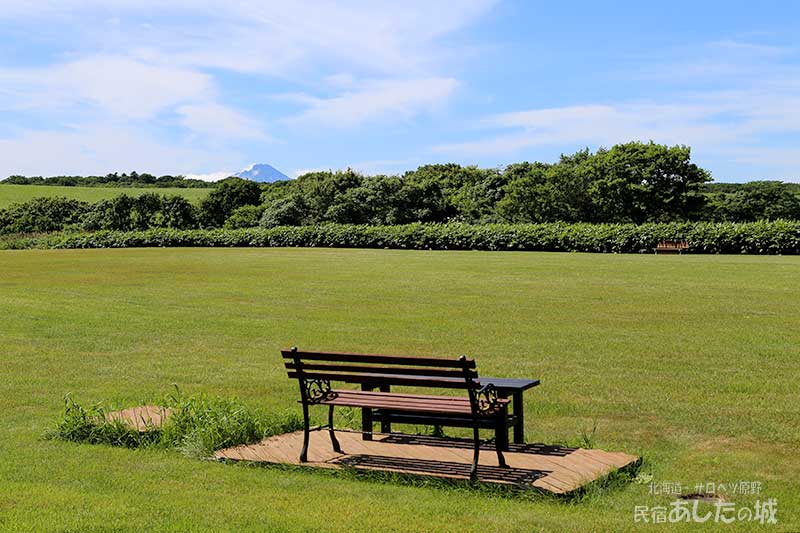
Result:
pixel 710 119
pixel 727 61
pixel 160 65
pixel 597 125
pixel 740 107
pixel 220 122
pixel 368 168
pixel 99 148
pixel 265 36
pixel 116 85
pixel 749 47
pixel 396 99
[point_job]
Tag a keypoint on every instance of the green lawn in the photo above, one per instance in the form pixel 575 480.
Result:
pixel 690 361
pixel 10 194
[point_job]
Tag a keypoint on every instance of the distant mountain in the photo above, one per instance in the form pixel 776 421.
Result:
pixel 262 172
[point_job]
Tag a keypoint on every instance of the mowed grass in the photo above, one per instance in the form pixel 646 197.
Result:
pixel 690 361
pixel 11 194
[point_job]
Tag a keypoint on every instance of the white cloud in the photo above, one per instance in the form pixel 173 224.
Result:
pixel 212 176
pixel 368 168
pixel 119 86
pixel 123 88
pixel 300 171
pixel 274 37
pixel 107 113
pixel 740 47
pixel 159 65
pixel 374 99
pixel 100 148
pixel 219 121
pixel 726 62
pixel 384 166
pixel 712 120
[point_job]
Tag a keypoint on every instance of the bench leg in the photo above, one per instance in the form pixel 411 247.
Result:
pixel 366 416
pixel 366 423
pixel 386 426
pixel 334 442
pixel 501 439
pixel 473 474
pixel 304 451
pixel 501 433
pixel 519 423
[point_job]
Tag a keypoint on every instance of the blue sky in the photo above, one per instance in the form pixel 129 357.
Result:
pixel 208 88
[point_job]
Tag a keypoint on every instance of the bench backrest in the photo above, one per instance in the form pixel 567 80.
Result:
pixel 378 370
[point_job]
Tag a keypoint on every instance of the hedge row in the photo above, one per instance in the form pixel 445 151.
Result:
pixel 775 237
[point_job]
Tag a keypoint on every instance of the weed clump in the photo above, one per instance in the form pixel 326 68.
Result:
pixel 197 425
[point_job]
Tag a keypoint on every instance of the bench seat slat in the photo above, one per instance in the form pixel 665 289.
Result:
pixel 383 378
pixel 378 394
pixel 386 397
pixel 405 402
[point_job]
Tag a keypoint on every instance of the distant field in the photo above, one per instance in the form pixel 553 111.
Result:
pixel 10 194
pixel 690 361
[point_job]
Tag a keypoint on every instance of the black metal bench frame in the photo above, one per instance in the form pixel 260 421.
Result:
pixel 316 370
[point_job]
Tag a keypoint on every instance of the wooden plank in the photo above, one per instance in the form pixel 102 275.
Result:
pixel 378 359
pixel 399 405
pixel 381 370
pixel 460 398
pixel 375 378
pixel 392 403
pixel 142 418
pixel 424 408
pixel 439 458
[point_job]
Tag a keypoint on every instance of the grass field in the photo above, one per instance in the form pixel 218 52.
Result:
pixel 10 194
pixel 690 361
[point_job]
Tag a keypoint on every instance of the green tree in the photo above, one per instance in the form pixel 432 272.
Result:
pixel 289 211
pixel 145 211
pixel 758 200
pixel 321 189
pixel 460 193
pixel 376 201
pixel 638 182
pixel 229 195
pixel 177 212
pixel 537 192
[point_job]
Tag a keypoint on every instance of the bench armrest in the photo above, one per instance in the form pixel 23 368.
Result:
pixel 317 390
pixel 487 401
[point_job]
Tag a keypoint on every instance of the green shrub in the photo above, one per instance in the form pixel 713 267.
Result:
pixel 41 215
pixel 247 216
pixel 148 210
pixel 776 237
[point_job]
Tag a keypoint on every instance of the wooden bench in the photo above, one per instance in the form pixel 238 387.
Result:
pixel 671 247
pixel 479 408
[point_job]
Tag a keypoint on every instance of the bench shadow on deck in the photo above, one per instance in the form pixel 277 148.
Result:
pixel 554 469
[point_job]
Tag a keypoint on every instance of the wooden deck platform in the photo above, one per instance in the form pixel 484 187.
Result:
pixel 550 468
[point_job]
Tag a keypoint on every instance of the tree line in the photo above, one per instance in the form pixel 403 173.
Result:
pixel 630 183
pixel 134 179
